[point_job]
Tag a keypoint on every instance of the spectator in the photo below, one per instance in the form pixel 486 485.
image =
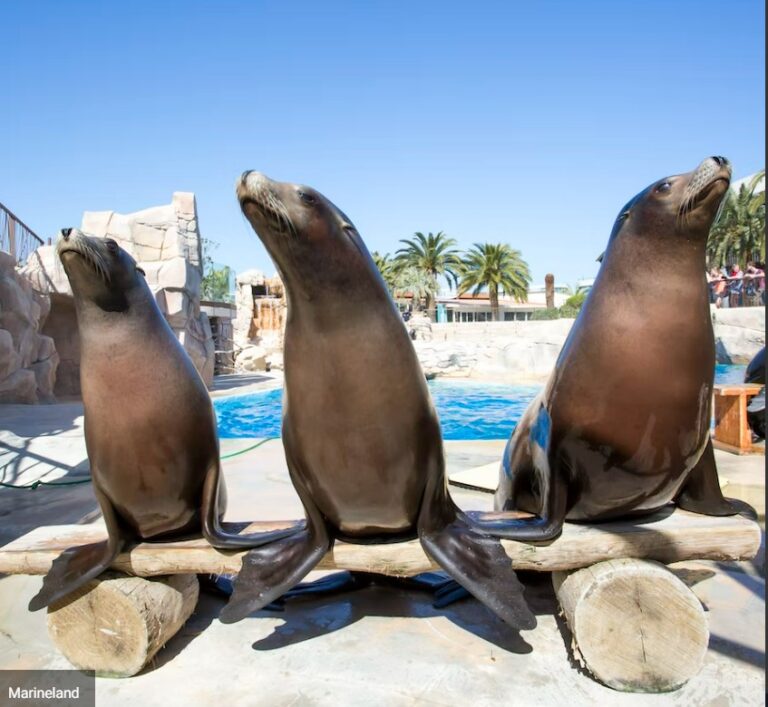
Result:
pixel 719 287
pixel 737 285
pixel 713 275
pixel 754 284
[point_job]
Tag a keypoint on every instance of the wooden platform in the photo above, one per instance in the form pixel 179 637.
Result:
pixel 732 433
pixel 666 537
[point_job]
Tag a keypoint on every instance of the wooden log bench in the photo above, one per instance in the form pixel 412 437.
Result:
pixel 636 625
pixel 732 433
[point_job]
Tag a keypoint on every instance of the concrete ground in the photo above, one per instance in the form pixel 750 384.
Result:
pixel 378 646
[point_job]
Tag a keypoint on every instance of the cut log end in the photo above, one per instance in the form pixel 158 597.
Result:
pixel 115 624
pixel 637 627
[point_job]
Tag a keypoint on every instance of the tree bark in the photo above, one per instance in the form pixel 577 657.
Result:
pixel 549 288
pixel 493 296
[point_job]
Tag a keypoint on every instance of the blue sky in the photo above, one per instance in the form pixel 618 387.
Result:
pixel 527 123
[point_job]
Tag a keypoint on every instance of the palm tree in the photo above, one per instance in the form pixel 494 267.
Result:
pixel 411 281
pixel 433 255
pixel 497 267
pixel 738 234
pixel 387 268
pixel 756 200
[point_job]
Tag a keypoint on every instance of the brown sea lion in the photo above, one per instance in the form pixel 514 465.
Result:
pixel 150 429
pixel 622 426
pixel 361 436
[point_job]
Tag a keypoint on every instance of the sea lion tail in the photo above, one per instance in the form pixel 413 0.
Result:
pixel 73 569
pixel 270 571
pixel 480 565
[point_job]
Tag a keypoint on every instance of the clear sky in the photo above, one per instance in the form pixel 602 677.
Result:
pixel 529 123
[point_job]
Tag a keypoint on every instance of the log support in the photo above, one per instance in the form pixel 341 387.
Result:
pixel 636 627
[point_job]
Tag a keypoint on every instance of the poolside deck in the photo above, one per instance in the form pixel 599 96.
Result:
pixel 378 646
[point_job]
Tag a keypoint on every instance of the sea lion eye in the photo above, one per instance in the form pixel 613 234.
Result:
pixel 624 215
pixel 664 186
pixel 306 198
pixel 112 246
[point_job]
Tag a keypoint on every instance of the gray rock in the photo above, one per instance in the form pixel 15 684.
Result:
pixel 19 387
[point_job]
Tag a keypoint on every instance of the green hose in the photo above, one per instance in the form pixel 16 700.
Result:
pixel 35 484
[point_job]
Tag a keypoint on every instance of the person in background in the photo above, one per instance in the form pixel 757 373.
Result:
pixel 736 286
pixel 713 275
pixel 719 287
pixel 754 284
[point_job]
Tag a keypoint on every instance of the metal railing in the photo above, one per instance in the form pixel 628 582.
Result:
pixel 16 237
pixel 747 290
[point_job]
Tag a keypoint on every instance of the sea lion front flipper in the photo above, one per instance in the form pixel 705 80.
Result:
pixel 701 492
pixel 214 501
pixel 78 565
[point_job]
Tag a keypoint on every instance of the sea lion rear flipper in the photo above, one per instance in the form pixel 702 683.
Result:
pixel 480 565
pixel 78 565
pixel 269 572
pixel 213 503
pixel 701 492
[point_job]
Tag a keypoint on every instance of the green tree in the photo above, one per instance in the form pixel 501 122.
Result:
pixel 757 199
pixel 215 285
pixel 420 285
pixel 738 234
pixel 495 266
pixel 387 268
pixel 434 255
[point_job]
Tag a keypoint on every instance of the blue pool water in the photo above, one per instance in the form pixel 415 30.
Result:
pixel 467 410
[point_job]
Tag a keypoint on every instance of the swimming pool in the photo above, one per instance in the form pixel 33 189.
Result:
pixel 467 409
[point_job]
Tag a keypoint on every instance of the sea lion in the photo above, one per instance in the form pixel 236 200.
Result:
pixel 150 430
pixel 622 426
pixel 361 435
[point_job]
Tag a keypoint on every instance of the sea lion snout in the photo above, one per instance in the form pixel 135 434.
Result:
pixel 65 232
pixel 251 184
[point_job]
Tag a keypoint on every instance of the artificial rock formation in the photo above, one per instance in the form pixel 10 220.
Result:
pixel 260 322
pixel 165 242
pixel 28 359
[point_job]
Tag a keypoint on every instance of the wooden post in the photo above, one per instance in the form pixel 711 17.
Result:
pixel 115 624
pixel 636 627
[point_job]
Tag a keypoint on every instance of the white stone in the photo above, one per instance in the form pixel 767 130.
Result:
pixel 45 272
pixel 170 259
pixel 251 358
pixel 178 273
pixel 148 235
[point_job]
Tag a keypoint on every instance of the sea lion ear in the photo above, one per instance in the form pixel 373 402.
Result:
pixel 138 269
pixel 600 257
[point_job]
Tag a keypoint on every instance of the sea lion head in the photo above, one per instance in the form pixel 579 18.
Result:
pixel 310 239
pixel 100 272
pixel 682 205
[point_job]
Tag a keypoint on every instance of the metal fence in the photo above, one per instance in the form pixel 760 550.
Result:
pixel 747 290
pixel 16 237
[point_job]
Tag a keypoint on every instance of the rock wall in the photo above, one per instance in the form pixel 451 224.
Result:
pixel 528 350
pixel 165 241
pixel 517 351
pixel 259 324
pixel 739 333
pixel 28 359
